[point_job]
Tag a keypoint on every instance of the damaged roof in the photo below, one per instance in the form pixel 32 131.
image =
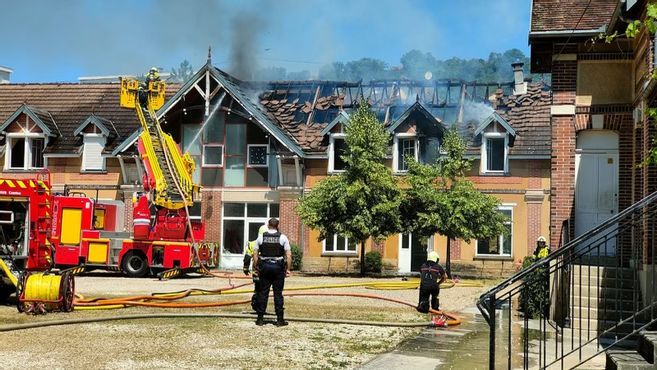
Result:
pixel 564 15
pixel 529 115
pixel 306 110
pixel 62 107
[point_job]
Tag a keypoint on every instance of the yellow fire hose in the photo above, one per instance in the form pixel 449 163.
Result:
pixel 42 287
pixel 163 300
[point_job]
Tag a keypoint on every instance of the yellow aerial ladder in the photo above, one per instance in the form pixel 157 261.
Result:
pixel 165 165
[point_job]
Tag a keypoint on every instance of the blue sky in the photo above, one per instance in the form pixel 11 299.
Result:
pixel 48 41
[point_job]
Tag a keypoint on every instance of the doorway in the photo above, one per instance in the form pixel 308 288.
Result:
pixel 596 182
pixel 413 252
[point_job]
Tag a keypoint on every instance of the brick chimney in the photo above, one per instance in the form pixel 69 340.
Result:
pixel 520 86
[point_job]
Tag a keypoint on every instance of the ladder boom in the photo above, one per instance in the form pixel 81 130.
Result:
pixel 164 162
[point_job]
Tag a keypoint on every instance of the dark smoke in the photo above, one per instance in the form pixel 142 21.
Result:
pixel 246 29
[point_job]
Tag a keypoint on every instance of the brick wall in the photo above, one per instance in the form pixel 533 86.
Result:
pixel 290 224
pixel 562 178
pixel 211 213
pixel 562 188
pixel 455 249
pixel 126 196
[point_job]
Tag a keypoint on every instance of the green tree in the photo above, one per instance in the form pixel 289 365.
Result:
pixel 362 202
pixel 440 199
pixel 183 73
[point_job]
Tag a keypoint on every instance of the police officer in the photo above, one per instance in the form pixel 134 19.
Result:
pixel 248 254
pixel 272 257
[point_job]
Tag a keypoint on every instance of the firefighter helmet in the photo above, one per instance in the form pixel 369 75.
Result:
pixel 433 256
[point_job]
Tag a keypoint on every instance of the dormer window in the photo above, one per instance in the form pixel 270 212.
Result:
pixel 25 151
pixel 92 152
pixel 496 136
pixel 337 149
pixel 404 146
pixel 95 133
pixel 494 152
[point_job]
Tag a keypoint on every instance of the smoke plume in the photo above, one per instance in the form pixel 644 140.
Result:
pixel 246 28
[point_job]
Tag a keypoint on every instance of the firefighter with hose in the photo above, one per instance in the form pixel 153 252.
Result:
pixel 431 276
pixel 247 266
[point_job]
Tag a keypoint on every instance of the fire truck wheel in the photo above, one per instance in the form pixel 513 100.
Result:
pixel 134 265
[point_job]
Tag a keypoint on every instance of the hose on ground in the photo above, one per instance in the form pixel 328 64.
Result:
pixel 6 328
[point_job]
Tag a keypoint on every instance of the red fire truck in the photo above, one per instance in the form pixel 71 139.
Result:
pixel 88 232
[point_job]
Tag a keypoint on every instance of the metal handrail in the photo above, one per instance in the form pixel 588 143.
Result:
pixel 571 290
pixel 571 245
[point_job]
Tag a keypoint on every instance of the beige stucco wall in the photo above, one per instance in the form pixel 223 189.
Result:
pixel 526 177
pixel 604 82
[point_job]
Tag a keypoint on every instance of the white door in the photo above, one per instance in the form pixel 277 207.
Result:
pixel 404 259
pixel 412 252
pixel 596 183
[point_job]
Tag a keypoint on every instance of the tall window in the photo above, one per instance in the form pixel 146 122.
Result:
pixel 337 149
pixel 241 222
pixel 494 153
pixel 192 145
pixel 339 244
pixel 404 147
pixel 235 155
pixel 25 153
pixel 500 245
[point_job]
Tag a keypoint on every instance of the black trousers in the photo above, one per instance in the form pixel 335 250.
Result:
pixel 254 298
pixel 430 292
pixel 272 275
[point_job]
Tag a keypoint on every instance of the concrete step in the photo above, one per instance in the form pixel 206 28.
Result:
pixel 619 359
pixel 610 304
pixel 648 345
pixel 604 272
pixel 601 325
pixel 611 282
pixel 604 292
pixel 586 312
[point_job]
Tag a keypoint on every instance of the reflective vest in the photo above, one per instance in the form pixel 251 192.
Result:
pixel 249 248
pixel 271 245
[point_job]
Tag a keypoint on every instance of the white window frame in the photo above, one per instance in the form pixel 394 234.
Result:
pixel 104 160
pixel 484 151
pixel 395 150
pixel 246 220
pixel 500 240
pixel 335 243
pixel 331 161
pixel 212 165
pixel 27 151
pixel 248 156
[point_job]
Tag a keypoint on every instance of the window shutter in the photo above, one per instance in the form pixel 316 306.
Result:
pixel 92 158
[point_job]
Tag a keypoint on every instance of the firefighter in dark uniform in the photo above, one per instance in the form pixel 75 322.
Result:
pixel 431 276
pixel 272 257
pixel 152 76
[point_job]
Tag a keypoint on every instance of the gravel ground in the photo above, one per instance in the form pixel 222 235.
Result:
pixel 217 343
